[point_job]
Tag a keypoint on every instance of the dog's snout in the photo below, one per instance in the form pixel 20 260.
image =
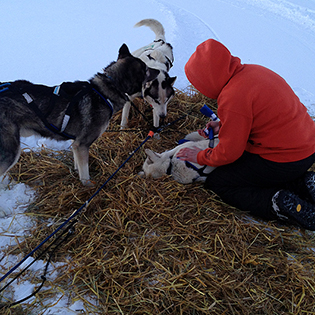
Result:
pixel 162 116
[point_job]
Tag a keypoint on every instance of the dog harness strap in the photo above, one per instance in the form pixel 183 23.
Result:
pixel 200 171
pixel 70 105
pixel 168 64
pixel 74 100
pixel 189 165
pixel 65 122
pixel 28 99
pixel 39 113
pixel 57 90
pixel 4 86
pixel 170 167
pixel 106 100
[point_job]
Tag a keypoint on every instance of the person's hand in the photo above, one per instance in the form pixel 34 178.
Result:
pixel 215 125
pixel 188 154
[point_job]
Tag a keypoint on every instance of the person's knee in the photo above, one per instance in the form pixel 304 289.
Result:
pixel 210 180
pixel 216 182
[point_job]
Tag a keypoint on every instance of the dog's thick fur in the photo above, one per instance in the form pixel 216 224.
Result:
pixel 159 164
pixel 90 114
pixel 157 55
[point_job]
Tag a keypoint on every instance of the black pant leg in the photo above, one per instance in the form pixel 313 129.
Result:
pixel 250 182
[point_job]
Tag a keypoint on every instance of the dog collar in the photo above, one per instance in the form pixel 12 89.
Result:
pixel 124 95
pixel 168 64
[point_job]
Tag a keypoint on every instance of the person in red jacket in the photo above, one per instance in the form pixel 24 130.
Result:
pixel 266 138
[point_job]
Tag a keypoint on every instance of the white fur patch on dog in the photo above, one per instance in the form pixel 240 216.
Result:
pixel 157 165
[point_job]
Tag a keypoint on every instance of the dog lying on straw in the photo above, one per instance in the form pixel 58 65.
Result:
pixel 166 163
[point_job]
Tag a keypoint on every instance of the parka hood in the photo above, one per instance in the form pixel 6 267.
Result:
pixel 211 67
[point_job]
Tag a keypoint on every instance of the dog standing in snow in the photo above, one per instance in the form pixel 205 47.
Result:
pixel 157 55
pixel 79 110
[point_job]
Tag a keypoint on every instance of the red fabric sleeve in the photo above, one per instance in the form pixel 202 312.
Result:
pixel 233 136
pixel 259 111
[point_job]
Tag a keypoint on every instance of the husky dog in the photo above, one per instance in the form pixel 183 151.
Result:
pixel 157 55
pixel 79 110
pixel 160 164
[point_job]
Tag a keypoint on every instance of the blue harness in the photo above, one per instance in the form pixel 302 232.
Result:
pixel 56 93
pixel 4 87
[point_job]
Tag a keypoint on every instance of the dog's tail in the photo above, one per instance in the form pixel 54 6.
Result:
pixel 155 26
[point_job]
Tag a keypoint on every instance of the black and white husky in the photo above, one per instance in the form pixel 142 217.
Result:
pixel 157 165
pixel 157 55
pixel 78 110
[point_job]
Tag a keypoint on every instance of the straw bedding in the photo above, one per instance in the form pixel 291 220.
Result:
pixel 146 246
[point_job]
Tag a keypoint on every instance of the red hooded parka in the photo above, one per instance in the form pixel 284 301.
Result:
pixel 258 110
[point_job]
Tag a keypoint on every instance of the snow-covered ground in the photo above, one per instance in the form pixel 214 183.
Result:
pixel 49 42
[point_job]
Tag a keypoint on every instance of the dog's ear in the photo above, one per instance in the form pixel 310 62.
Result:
pixel 151 74
pixel 152 156
pixel 172 80
pixel 123 51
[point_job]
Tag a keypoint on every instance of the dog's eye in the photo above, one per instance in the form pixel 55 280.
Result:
pixel 152 90
pixel 165 84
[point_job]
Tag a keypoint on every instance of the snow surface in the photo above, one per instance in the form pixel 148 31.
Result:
pixel 49 42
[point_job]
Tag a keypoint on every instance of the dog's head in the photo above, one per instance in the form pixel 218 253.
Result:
pixel 132 72
pixel 158 93
pixel 155 165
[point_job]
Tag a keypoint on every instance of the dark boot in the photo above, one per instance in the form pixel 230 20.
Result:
pixel 289 207
pixel 309 181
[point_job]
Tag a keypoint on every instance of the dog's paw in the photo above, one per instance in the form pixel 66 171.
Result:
pixel 88 183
